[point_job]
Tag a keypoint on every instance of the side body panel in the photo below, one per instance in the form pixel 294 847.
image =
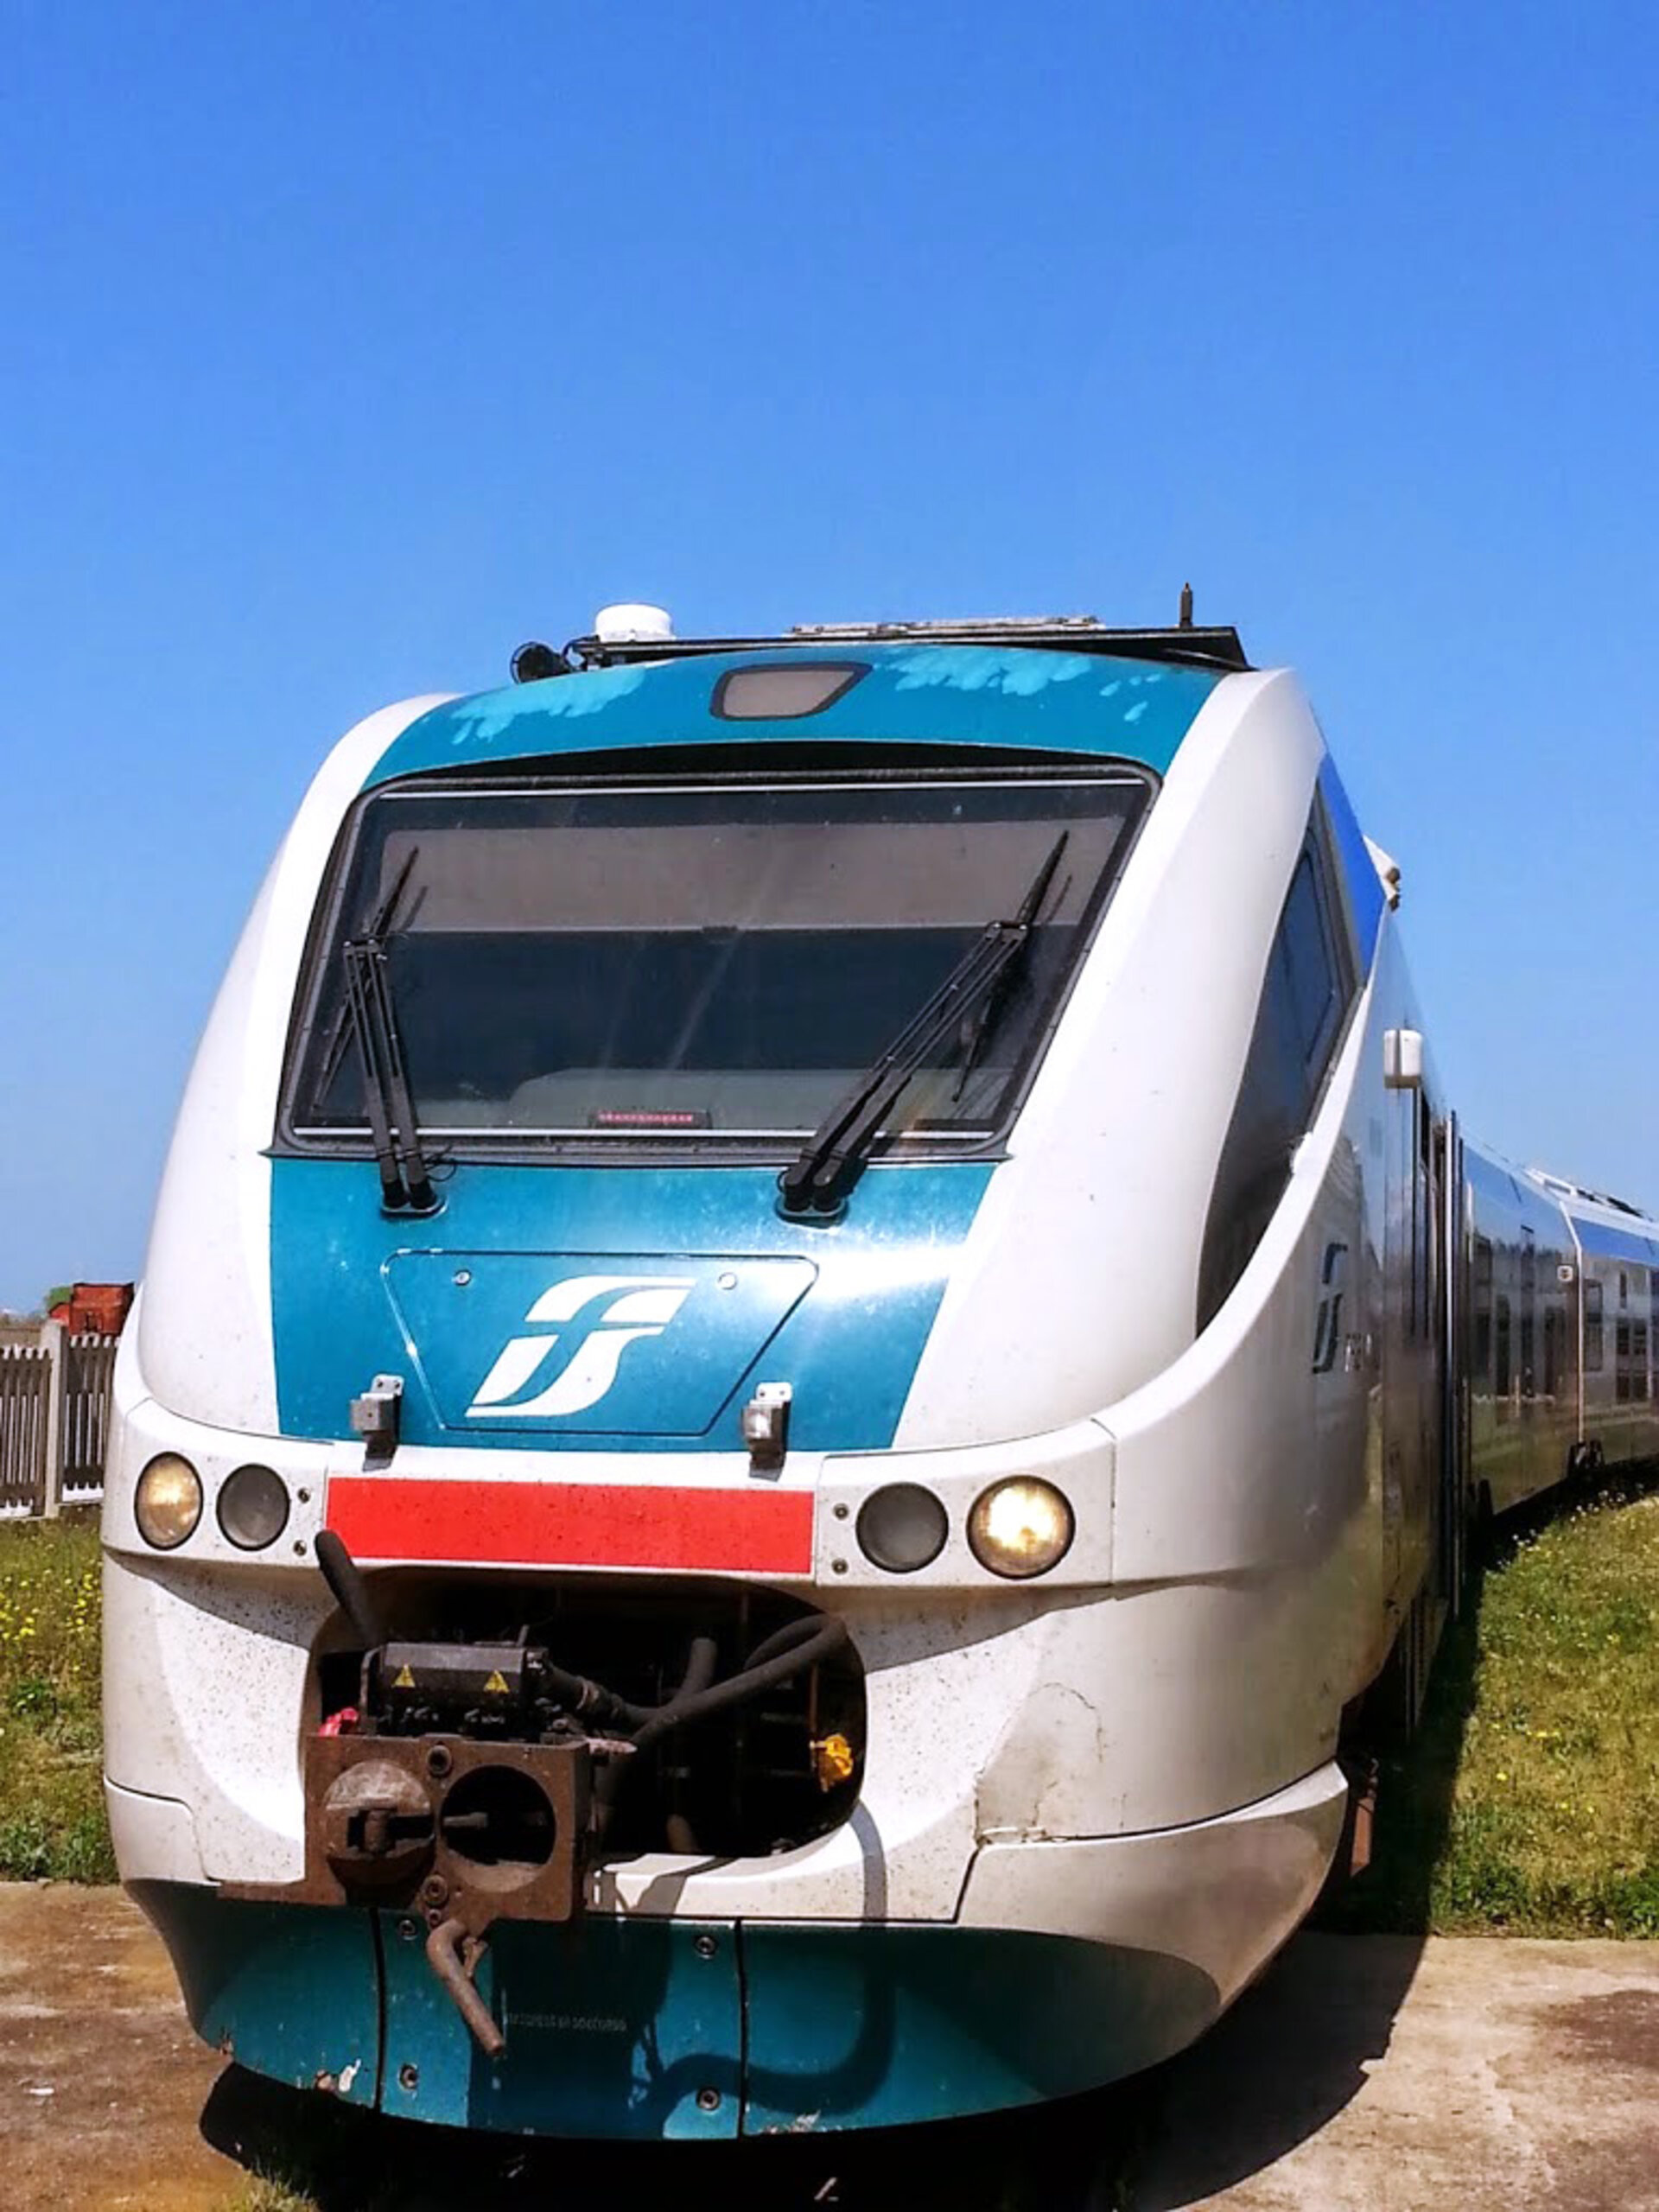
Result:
pixel 1523 1355
pixel 1619 1265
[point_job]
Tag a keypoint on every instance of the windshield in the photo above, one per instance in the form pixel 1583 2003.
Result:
pixel 703 963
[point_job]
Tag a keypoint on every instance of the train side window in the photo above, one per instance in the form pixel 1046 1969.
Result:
pixel 1483 1352
pixel 1529 1312
pixel 1638 1359
pixel 1308 987
pixel 1306 947
pixel 1358 885
pixel 1593 1352
pixel 1502 1378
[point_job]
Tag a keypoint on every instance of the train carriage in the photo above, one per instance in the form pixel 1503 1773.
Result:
pixel 815 1320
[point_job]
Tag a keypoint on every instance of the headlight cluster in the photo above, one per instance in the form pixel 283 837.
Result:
pixel 1017 1528
pixel 252 1505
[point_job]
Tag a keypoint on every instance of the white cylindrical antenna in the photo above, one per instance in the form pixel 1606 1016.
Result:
pixel 630 624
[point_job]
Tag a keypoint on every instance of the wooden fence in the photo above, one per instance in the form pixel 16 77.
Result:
pixel 55 1421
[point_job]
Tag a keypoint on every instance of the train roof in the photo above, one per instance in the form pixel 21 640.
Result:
pixel 1621 1227
pixel 1612 1229
pixel 935 689
pixel 1579 1194
pixel 1216 647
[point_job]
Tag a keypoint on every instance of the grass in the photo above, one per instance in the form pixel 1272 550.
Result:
pixel 1529 1802
pixel 51 1802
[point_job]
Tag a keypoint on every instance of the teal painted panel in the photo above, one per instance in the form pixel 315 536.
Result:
pixel 615 2028
pixel 660 2029
pixel 288 1990
pixel 873 2027
pixel 870 1288
pixel 610 1342
pixel 949 695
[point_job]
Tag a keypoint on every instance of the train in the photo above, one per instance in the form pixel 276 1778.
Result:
pixel 817 1337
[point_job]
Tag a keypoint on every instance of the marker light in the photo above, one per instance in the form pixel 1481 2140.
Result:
pixel 167 1504
pixel 253 1508
pixel 1020 1527
pixel 901 1527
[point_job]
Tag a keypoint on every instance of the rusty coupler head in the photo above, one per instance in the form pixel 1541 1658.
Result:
pixel 378 1825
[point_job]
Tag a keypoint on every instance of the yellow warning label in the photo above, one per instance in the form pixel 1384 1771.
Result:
pixel 497 1685
pixel 403 1679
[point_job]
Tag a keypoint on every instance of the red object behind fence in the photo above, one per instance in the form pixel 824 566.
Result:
pixel 94 1309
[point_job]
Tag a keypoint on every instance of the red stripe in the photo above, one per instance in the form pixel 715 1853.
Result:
pixel 572 1524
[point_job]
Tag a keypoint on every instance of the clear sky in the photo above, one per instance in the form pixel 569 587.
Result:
pixel 344 345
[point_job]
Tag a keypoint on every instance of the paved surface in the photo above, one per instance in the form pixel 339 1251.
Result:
pixel 1365 2075
pixel 101 2081
pixel 1375 2074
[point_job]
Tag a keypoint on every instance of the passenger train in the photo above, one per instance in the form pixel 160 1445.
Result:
pixel 816 1334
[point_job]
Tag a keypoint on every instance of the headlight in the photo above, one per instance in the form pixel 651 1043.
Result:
pixel 167 1504
pixel 1020 1527
pixel 902 1526
pixel 253 1508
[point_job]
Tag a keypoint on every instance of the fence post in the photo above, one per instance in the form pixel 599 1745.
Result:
pixel 55 1343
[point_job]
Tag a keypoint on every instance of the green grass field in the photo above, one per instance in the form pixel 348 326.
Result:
pixel 51 1803
pixel 1529 1800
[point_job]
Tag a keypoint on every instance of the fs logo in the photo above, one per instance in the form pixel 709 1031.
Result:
pixel 1327 1329
pixel 587 1358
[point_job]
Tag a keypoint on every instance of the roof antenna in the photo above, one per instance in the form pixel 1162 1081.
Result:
pixel 1186 607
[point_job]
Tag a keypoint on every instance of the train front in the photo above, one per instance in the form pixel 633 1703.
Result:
pixel 611 1621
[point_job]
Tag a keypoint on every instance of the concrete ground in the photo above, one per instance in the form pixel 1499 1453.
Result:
pixel 1365 2075
pixel 101 2080
pixel 1380 2074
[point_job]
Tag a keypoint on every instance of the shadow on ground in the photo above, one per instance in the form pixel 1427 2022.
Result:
pixel 1065 2157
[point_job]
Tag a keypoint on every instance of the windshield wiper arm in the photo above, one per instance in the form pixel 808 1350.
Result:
pixel 405 1180
pixel 817 1181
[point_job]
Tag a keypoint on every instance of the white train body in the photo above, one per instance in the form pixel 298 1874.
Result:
pixel 1214 1267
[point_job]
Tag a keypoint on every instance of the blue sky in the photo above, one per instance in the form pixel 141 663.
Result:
pixel 346 347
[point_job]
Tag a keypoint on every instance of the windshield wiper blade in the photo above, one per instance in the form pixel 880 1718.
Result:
pixel 817 1182
pixel 405 1180
pixel 376 933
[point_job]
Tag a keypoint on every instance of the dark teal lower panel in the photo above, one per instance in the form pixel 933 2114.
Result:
pixel 648 2029
pixel 291 1991
pixel 872 2027
pixel 613 2027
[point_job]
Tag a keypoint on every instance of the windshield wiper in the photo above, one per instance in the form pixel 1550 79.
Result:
pixel 369 1013
pixel 817 1183
pixel 342 1026
pixel 405 1180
